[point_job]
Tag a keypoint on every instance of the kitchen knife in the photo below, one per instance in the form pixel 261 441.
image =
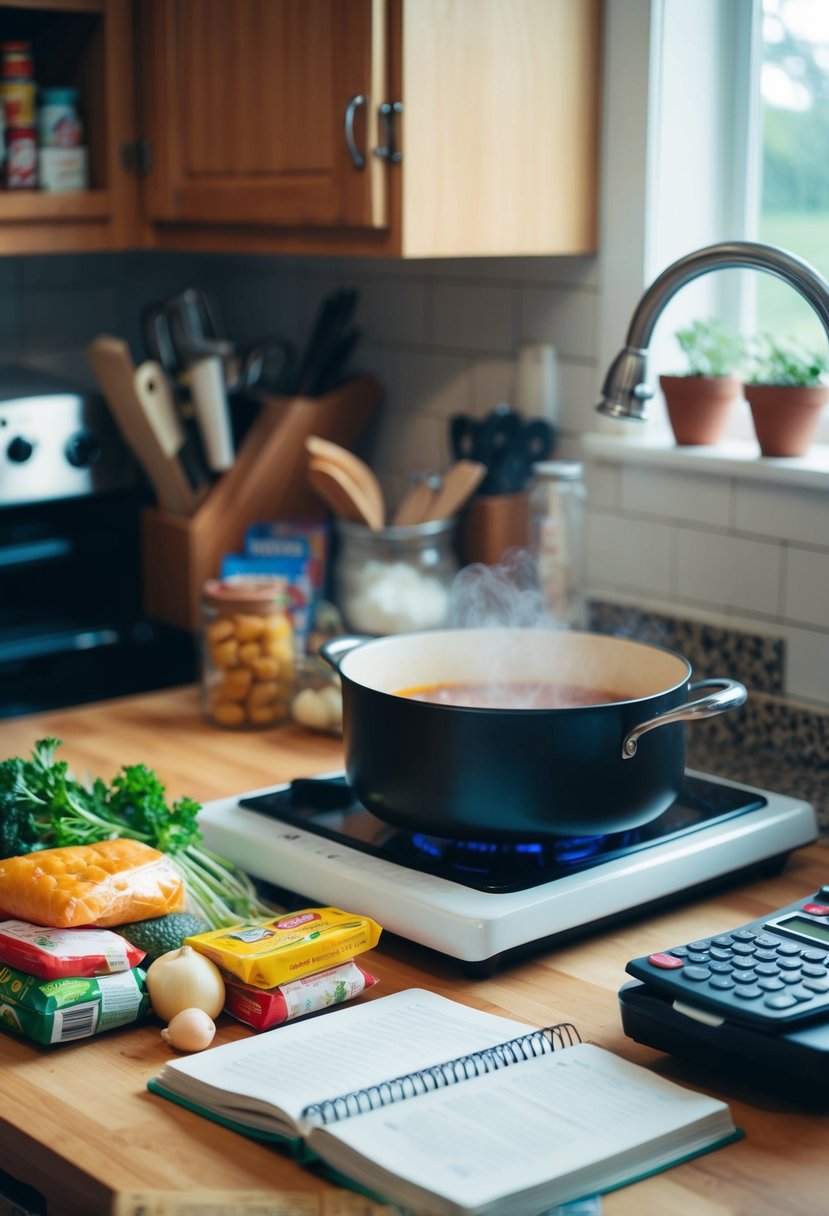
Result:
pixel 155 393
pixel 114 370
pixel 208 391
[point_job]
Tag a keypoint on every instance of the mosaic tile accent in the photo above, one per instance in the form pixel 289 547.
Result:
pixel 768 742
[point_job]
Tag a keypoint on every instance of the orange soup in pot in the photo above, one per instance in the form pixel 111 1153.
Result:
pixel 511 695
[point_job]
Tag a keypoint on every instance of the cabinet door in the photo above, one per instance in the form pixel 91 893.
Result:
pixel 245 108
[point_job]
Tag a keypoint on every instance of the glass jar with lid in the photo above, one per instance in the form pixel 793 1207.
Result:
pixel 396 580
pixel 556 520
pixel 247 652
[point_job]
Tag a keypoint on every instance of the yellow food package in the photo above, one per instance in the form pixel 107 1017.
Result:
pixel 265 953
pixel 109 883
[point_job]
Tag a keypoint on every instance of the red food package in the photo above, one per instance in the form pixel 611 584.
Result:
pixel 263 1008
pixel 59 953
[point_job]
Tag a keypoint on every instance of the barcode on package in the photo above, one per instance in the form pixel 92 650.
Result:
pixel 79 1022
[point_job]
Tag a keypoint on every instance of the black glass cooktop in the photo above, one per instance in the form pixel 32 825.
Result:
pixel 327 807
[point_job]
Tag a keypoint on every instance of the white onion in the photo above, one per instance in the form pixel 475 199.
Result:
pixel 190 1030
pixel 184 979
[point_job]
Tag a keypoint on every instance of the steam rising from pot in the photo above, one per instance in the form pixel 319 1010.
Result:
pixel 507 595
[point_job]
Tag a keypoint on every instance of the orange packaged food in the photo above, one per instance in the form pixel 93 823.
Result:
pixel 109 883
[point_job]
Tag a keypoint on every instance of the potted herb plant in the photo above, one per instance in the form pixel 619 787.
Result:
pixel 698 400
pixel 786 389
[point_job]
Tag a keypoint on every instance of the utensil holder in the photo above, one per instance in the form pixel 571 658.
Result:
pixel 493 524
pixel 267 481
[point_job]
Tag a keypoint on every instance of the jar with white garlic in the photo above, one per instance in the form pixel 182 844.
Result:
pixel 318 700
pixel 247 652
pixel 397 580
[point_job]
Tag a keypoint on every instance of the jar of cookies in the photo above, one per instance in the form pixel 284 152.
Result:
pixel 247 652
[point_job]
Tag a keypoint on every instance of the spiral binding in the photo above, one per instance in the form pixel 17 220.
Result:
pixel 438 1076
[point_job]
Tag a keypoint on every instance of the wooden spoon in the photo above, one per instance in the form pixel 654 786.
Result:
pixel 344 496
pixel 354 468
pixel 417 501
pixel 459 484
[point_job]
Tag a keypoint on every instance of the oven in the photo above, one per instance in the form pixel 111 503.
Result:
pixel 72 629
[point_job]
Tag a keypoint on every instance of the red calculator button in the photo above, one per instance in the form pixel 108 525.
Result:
pixel 817 909
pixel 666 961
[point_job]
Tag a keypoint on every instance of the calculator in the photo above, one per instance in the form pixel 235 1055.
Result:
pixel 771 974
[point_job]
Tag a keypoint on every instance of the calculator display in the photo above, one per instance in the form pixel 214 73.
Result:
pixel 816 930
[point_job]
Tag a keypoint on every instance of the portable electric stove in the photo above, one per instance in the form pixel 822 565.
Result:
pixel 478 901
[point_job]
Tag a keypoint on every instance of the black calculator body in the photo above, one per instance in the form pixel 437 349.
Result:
pixel 771 975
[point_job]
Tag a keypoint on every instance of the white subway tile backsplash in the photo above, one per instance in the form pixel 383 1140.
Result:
pixel 627 556
pixel 493 383
pixel 393 310
pixel 578 392
pixel 565 316
pixel 677 496
pixel 472 317
pixel 408 442
pixel 807 664
pixel 786 512
pixel 806 586
pixel 728 572
pixel 601 483
pixel 434 383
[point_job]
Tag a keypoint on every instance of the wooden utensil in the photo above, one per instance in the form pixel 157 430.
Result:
pixel 459 484
pixel 344 496
pixel 354 468
pixel 114 369
pixel 416 502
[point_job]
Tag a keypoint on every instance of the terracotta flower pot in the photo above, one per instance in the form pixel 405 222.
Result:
pixel 785 416
pixel 698 406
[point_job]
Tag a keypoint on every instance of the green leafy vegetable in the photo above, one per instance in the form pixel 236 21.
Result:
pixel 42 806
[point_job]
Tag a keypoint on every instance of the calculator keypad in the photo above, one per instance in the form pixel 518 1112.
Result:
pixel 746 970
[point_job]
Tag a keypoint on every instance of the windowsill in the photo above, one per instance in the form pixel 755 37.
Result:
pixel 732 458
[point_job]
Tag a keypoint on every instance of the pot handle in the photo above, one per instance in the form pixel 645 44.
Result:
pixel 732 694
pixel 335 649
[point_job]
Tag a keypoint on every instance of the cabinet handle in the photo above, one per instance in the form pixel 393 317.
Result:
pixel 354 103
pixel 388 112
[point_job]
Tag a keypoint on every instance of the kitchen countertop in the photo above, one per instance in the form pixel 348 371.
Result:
pixel 77 1123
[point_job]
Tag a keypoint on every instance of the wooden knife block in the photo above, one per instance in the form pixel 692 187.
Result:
pixel 266 482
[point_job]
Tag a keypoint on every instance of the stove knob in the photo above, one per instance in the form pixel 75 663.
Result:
pixel 20 449
pixel 82 450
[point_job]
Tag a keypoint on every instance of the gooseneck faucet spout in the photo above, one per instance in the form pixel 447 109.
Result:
pixel 626 391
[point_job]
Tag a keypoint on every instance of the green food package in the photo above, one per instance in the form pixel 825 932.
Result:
pixel 62 1010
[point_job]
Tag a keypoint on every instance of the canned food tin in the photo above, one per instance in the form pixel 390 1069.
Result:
pixel 18 98
pixel 247 652
pixel 17 60
pixel 57 118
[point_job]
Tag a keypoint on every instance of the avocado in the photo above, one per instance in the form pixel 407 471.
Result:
pixel 163 933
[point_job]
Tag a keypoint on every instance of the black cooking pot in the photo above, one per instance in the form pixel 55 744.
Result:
pixel 510 774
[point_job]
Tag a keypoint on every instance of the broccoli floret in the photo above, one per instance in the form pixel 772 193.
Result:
pixel 18 830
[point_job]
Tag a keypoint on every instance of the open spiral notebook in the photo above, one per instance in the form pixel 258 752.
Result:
pixel 441 1107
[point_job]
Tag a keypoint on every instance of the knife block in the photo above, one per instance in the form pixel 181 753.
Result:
pixel 266 482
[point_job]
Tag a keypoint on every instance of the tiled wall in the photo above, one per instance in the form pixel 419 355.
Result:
pixel 441 336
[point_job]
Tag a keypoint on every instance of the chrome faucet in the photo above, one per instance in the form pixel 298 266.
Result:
pixel 625 391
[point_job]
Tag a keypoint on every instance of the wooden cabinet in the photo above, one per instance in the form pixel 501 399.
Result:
pixel 405 128
pixel 87 44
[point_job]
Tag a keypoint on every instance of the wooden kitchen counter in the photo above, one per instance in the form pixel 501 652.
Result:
pixel 77 1123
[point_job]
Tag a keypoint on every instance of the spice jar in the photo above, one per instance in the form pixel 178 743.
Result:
pixel 247 652
pixel 556 511
pixel 397 580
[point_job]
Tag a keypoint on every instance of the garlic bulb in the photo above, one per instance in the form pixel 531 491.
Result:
pixel 184 979
pixel 190 1030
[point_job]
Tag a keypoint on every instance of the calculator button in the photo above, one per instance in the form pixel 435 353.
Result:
pixel 770 984
pixel 744 935
pixel 719 952
pixel 705 942
pixel 721 982
pixel 697 974
pixel 789 964
pixel 697 957
pixel 782 1000
pixel 679 951
pixel 744 948
pixel 748 993
pixel 788 948
pixel 817 909
pixel 665 961
pixel 720 968
pixel 743 964
pixel 790 977
pixel 815 956
pixel 813 971
pixel 766 968
pixel 765 956
pixel 724 939
pixel 744 977
pixel 801 994
pixel 816 985
pixel 765 941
